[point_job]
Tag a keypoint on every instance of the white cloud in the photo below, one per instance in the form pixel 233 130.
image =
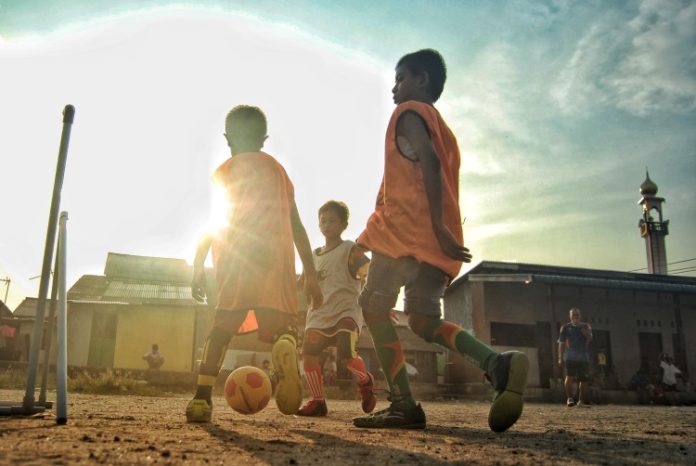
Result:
pixel 641 65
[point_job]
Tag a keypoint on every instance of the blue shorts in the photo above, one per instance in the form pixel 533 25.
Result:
pixel 424 286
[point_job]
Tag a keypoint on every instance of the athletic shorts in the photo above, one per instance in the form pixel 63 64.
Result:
pixel 343 335
pixel 424 286
pixel 578 370
pixel 270 323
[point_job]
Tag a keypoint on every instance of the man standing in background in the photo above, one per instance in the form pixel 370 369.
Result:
pixel 573 346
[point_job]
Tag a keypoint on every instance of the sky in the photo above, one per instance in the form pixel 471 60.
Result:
pixel 558 107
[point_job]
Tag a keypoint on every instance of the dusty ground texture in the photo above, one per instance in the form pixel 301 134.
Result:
pixel 143 430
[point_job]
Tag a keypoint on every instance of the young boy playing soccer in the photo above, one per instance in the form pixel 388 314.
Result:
pixel 254 262
pixel 341 267
pixel 415 236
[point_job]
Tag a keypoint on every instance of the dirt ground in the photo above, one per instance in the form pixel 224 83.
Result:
pixel 144 430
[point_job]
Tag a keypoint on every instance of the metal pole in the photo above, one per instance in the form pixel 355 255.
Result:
pixel 68 116
pixel 62 359
pixel 49 328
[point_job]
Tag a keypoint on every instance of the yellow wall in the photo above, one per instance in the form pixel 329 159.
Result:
pixel 141 326
pixel 79 333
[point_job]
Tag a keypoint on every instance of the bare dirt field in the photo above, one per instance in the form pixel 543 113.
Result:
pixel 144 430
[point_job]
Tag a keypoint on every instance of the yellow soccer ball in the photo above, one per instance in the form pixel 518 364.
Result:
pixel 248 390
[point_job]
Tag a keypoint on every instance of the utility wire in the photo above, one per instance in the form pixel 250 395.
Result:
pixel 671 263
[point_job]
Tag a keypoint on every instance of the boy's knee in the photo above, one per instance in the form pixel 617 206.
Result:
pixel 376 306
pixel 419 324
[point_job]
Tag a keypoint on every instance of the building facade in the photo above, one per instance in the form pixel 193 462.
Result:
pixel 522 306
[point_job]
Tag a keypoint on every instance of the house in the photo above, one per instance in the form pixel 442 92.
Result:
pixel 522 306
pixel 115 318
pixel 10 349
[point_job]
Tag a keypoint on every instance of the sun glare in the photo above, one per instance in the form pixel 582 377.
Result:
pixel 220 210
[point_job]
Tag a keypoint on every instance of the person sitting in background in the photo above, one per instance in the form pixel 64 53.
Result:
pixel 154 358
pixel 641 383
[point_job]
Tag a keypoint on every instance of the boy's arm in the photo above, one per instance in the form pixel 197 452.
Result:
pixel 358 263
pixel 414 142
pixel 311 283
pixel 198 284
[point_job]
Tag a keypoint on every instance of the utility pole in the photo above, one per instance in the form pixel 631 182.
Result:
pixel 7 281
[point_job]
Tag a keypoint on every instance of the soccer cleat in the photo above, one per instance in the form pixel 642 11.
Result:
pixel 396 416
pixel 367 394
pixel 314 408
pixel 582 404
pixel 509 379
pixel 289 389
pixel 570 403
pixel 199 410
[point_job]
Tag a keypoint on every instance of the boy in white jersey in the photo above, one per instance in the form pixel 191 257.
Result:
pixel 341 267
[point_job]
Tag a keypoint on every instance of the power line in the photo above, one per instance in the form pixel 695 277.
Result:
pixel 671 263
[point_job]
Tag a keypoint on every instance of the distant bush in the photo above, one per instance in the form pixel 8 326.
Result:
pixel 110 383
pixel 13 378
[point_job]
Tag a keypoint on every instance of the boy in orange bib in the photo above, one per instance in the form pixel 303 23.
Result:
pixel 415 236
pixel 254 262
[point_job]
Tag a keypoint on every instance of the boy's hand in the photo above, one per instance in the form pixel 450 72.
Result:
pixel 198 284
pixel 450 246
pixel 312 292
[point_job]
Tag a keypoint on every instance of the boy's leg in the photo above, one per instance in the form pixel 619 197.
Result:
pixel 507 372
pixel 280 329
pixel 200 408
pixel 349 357
pixel 385 278
pixel 312 346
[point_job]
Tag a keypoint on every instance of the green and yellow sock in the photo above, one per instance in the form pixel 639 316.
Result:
pixel 455 338
pixel 213 356
pixel 391 356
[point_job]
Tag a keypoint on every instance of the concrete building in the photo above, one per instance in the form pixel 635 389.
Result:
pixel 522 306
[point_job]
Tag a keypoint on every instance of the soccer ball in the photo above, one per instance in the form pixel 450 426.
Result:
pixel 248 390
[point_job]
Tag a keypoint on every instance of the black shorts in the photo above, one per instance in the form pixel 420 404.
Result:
pixel 424 286
pixel 578 370
pixel 270 323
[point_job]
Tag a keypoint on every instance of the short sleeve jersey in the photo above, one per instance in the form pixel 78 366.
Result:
pixel 576 347
pixel 401 225
pixel 254 255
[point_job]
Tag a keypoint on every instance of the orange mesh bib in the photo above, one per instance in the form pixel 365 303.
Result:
pixel 401 225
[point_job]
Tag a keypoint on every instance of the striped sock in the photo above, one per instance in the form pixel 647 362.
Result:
pixel 314 379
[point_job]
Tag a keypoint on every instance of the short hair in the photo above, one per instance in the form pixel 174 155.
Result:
pixel 570 312
pixel 429 61
pixel 245 121
pixel 340 208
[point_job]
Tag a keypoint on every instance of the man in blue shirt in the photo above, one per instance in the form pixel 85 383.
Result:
pixel 573 346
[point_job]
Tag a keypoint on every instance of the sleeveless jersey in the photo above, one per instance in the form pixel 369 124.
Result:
pixel 254 256
pixel 401 225
pixel 340 289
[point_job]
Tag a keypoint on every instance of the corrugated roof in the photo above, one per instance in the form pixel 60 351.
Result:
pixel 146 268
pixel 139 280
pixel 504 271
pixel 147 291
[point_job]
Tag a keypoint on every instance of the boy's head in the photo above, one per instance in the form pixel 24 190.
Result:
pixel 420 76
pixel 333 218
pixel 245 129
